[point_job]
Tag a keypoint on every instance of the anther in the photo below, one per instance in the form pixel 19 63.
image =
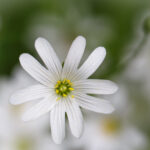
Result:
pixel 57 91
pixel 68 81
pixel 71 89
pixel 59 82
pixel 72 96
pixel 64 95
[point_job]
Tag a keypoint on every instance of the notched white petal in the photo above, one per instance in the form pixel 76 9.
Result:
pixel 95 86
pixel 94 104
pixel 35 69
pixel 39 109
pixel 57 121
pixel 48 55
pixel 28 94
pixel 75 117
pixel 91 64
pixel 74 56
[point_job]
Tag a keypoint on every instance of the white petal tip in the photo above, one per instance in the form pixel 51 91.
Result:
pixel 26 118
pixel 110 110
pixel 12 100
pixel 77 135
pixel 58 142
pixel 23 57
pixel 39 40
pixel 115 88
pixel 102 50
pixel 81 39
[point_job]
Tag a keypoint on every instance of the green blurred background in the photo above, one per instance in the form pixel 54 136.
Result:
pixel 103 22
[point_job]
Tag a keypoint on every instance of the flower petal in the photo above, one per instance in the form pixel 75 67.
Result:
pixel 48 56
pixel 35 69
pixel 39 109
pixel 75 117
pixel 28 94
pixel 57 120
pixel 94 104
pixel 93 86
pixel 91 64
pixel 74 56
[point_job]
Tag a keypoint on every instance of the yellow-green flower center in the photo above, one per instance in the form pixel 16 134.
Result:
pixel 111 125
pixel 63 88
pixel 24 143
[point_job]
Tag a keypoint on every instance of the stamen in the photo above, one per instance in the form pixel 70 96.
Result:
pixel 64 95
pixel 63 88
pixel 68 81
pixel 57 91
pixel 71 89
pixel 71 84
pixel 58 81
pixel 72 96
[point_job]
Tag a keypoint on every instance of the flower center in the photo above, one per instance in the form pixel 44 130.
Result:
pixel 111 126
pixel 63 88
pixel 24 143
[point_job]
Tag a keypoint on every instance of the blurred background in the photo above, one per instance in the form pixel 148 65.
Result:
pixel 122 27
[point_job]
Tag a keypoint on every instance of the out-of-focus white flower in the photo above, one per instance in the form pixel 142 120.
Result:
pixel 139 67
pixel 111 134
pixel 138 72
pixel 11 135
pixel 114 132
pixel 15 134
pixel 63 89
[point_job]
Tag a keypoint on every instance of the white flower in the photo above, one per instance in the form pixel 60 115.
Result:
pixel 114 132
pixel 14 134
pixel 63 89
pixel 111 134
